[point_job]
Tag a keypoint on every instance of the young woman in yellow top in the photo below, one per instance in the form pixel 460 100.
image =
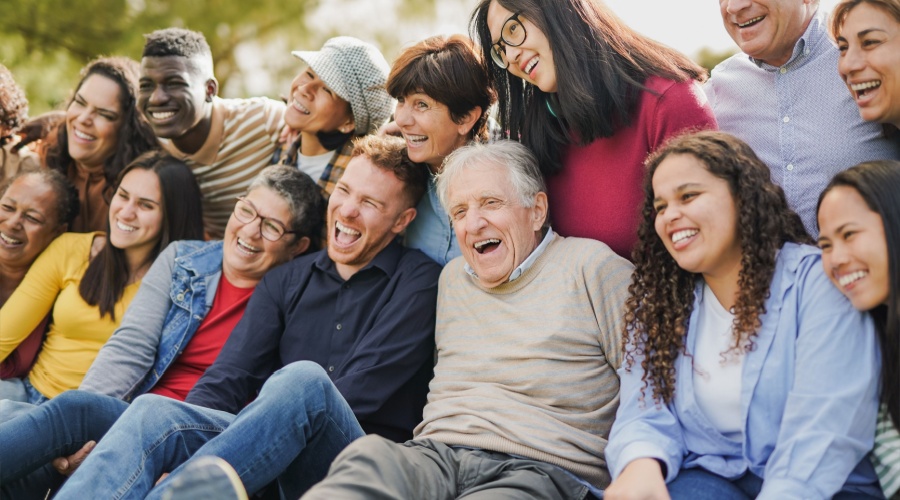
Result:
pixel 88 280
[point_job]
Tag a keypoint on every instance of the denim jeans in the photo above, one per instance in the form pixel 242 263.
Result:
pixel 56 428
pixel 291 432
pixel 699 484
pixel 18 396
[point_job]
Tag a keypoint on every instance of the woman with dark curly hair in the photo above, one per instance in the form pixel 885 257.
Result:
pixel 746 373
pixel 101 134
pixel 859 219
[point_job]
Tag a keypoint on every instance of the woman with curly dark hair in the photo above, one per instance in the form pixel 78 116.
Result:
pixel 859 219
pixel 102 133
pixel 746 374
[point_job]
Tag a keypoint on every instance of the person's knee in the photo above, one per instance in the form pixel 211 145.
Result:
pixel 367 446
pixel 297 375
pixel 150 408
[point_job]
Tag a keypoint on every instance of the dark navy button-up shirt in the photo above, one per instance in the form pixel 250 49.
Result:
pixel 373 334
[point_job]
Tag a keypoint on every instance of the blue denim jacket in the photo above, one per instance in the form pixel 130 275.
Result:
pixel 174 298
pixel 808 396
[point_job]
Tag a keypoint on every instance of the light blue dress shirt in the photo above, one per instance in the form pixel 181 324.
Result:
pixel 808 398
pixel 431 231
pixel 799 118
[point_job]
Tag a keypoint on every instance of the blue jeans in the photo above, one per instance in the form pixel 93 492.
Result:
pixel 56 428
pixel 18 396
pixel 699 484
pixel 291 432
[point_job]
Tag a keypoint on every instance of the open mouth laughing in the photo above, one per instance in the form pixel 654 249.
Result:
pixel 9 240
pixel 246 248
pixel 486 246
pixel 82 135
pixel 345 235
pixel 862 88
pixel 299 107
pixel 850 278
pixel 125 227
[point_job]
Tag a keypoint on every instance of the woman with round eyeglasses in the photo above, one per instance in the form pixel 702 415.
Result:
pixel 189 302
pixel 591 98
pixel 859 222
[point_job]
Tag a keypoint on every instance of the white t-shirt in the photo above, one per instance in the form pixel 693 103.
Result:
pixel 717 378
pixel 313 166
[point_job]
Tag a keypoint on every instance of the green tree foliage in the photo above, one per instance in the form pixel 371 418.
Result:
pixel 709 58
pixel 46 41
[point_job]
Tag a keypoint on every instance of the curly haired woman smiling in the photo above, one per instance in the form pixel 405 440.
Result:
pixel 733 332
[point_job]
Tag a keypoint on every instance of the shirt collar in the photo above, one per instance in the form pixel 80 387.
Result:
pixel 527 263
pixel 386 260
pixel 814 35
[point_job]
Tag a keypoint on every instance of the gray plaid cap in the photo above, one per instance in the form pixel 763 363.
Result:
pixel 357 72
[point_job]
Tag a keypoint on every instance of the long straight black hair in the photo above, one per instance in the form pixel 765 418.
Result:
pixel 107 274
pixel 601 66
pixel 877 182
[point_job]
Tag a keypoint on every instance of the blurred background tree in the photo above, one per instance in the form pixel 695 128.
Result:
pixel 46 42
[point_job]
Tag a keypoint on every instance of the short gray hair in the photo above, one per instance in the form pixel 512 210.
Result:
pixel 303 196
pixel 520 163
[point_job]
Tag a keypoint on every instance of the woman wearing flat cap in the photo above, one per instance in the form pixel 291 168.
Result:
pixel 338 95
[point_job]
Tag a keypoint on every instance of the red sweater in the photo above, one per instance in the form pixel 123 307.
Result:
pixel 598 193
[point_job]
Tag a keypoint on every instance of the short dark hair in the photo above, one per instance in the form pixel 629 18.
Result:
pixel 13 103
pixel 876 182
pixel 449 70
pixel 601 65
pixel 67 204
pixel 389 153
pixel 176 42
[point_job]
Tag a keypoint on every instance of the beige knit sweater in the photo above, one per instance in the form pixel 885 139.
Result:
pixel 528 368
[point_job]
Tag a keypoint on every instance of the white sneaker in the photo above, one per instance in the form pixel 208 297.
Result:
pixel 206 478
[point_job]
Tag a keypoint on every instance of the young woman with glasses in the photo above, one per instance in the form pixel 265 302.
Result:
pixel 190 300
pixel 591 97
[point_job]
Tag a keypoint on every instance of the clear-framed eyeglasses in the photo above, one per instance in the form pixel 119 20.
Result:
pixel 511 35
pixel 270 229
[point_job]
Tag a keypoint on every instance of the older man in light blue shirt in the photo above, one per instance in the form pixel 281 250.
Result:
pixel 787 101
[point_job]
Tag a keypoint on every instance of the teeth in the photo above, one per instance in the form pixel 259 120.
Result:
pixel 162 115
pixel 852 277
pixel 344 229
pixel 752 21
pixel 416 138
pixel 299 107
pixel 247 247
pixel 532 64
pixel 481 244
pixel 8 240
pixel 81 135
pixel 125 227
pixel 683 234
pixel 856 87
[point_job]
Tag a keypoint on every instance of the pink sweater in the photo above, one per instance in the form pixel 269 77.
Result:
pixel 598 194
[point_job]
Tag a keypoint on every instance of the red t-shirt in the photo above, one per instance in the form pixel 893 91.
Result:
pixel 598 193
pixel 203 348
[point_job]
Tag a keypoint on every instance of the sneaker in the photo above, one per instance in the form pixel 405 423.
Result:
pixel 206 477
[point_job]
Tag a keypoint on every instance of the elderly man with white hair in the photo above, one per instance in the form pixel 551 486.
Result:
pixel 528 339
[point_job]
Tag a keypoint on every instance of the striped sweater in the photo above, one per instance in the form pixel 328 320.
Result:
pixel 528 368
pixel 241 141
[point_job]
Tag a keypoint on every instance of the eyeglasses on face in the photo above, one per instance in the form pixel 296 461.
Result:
pixel 270 229
pixel 511 35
